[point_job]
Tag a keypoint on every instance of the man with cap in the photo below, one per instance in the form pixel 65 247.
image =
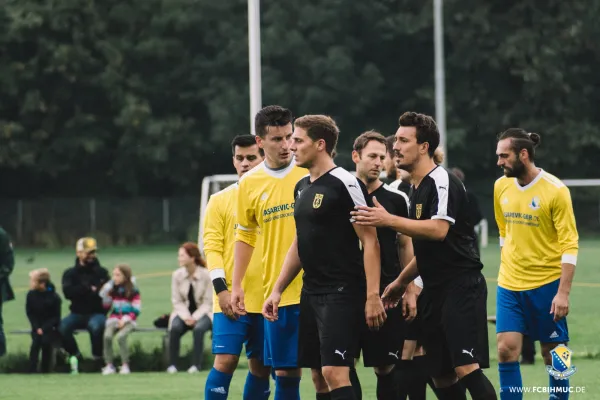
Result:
pixel 7 263
pixel 81 285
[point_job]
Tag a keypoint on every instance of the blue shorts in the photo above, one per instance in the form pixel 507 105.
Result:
pixel 528 312
pixel 229 335
pixel 281 339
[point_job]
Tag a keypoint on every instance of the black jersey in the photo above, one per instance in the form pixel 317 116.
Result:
pixel 328 246
pixel 401 186
pixel 441 195
pixel 396 203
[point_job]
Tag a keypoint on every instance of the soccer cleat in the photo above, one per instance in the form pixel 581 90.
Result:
pixel 124 370
pixel 172 370
pixel 74 363
pixel 192 370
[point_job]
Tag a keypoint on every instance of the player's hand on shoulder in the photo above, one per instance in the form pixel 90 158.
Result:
pixel 237 301
pixel 224 298
pixel 271 307
pixel 392 295
pixel 371 216
pixel 374 312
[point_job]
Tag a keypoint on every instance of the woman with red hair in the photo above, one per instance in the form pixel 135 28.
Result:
pixel 191 295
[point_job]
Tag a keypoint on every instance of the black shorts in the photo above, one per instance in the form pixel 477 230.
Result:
pixel 384 347
pixel 454 324
pixel 330 326
pixel 414 329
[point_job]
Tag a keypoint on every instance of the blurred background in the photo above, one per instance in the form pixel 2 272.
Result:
pixel 113 112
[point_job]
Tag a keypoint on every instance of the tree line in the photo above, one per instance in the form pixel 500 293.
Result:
pixel 141 97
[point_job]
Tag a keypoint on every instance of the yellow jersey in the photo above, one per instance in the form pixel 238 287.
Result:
pixel 266 202
pixel 219 237
pixel 537 231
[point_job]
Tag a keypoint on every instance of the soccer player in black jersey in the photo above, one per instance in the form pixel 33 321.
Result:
pixel 452 304
pixel 340 283
pixel 382 349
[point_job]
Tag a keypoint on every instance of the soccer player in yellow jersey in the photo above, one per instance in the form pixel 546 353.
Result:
pixel 266 202
pixel 539 241
pixel 230 333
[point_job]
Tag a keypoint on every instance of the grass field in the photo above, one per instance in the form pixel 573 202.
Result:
pixel 153 266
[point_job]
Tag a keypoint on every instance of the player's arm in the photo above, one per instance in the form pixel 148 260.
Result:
pixel 498 214
pixel 374 311
pixel 245 241
pixel 568 239
pixel 214 231
pixel 290 269
pixel 214 239
pixel 394 291
pixel 434 229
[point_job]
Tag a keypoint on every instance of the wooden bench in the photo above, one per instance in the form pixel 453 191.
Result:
pixel 165 340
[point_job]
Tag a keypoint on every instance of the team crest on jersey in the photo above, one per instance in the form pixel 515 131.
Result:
pixel 419 210
pixel 535 203
pixel 561 367
pixel 318 200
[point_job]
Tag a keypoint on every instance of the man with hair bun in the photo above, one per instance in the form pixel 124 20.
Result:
pixel 539 241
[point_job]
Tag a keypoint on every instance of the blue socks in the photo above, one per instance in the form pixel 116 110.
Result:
pixel 510 381
pixel 560 383
pixel 256 388
pixel 287 388
pixel 217 385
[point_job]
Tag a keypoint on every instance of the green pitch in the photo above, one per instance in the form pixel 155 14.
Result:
pixel 153 266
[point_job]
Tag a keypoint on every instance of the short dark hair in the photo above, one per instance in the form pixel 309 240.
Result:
pixel 390 144
pixel 427 130
pixel 271 116
pixel 363 140
pixel 521 139
pixel 320 127
pixel 244 141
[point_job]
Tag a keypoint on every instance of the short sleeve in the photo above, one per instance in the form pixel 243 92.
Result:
pixel 245 215
pixel 446 196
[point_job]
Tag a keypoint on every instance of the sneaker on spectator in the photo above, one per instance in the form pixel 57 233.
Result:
pixel 124 369
pixel 172 369
pixel 192 370
pixel 74 363
pixel 109 370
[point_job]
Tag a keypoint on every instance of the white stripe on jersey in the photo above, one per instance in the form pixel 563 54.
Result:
pixel 442 185
pixel 351 184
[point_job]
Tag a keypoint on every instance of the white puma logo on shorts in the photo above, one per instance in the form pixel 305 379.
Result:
pixel 394 354
pixel 343 355
pixel 468 352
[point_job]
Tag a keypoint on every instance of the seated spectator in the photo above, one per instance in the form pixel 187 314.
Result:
pixel 81 285
pixel 121 296
pixel 43 310
pixel 191 295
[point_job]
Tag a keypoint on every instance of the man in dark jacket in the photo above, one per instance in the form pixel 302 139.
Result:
pixel 7 264
pixel 81 285
pixel 43 311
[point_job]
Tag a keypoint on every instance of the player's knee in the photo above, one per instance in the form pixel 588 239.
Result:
pixel 546 349
pixel 258 369
pixel 508 350
pixel 445 381
pixel 336 376
pixel 226 363
pixel 289 372
pixel 319 381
